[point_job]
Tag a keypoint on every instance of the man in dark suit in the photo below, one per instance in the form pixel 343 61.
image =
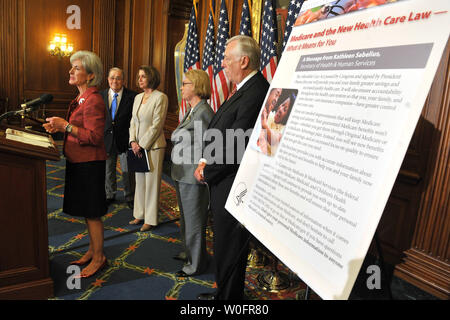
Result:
pixel 241 64
pixel 119 106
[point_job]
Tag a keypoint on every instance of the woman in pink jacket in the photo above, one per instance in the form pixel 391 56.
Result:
pixel 84 149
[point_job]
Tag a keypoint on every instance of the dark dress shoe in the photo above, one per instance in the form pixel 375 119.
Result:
pixel 181 274
pixel 180 258
pixel 206 296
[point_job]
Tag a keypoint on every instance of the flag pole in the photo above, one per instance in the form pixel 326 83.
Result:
pixel 212 11
pixel 195 7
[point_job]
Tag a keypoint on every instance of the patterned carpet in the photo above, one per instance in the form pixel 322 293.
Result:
pixel 140 264
pixel 141 267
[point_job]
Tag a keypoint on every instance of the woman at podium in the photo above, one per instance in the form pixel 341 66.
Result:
pixel 84 149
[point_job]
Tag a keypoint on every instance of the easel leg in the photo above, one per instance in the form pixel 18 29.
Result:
pixel 307 293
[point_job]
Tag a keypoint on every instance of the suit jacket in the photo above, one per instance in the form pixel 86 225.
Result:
pixel 187 141
pixel 117 131
pixel 147 122
pixel 238 112
pixel 89 117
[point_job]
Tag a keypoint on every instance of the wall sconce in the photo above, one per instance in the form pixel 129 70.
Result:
pixel 60 47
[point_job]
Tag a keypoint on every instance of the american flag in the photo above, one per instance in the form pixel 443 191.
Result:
pixel 191 56
pixel 208 54
pixel 269 41
pixel 192 53
pixel 245 27
pixel 221 83
pixel 294 9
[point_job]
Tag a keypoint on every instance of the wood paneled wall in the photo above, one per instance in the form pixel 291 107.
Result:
pixel 9 50
pixel 426 262
pixel 124 33
pixel 414 229
pixel 28 70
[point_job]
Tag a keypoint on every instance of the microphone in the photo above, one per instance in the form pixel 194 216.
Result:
pixel 35 103
pixel 32 106
pixel 45 98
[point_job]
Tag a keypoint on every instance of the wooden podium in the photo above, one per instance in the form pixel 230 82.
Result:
pixel 24 262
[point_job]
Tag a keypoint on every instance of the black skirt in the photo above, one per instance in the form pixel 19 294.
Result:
pixel 84 192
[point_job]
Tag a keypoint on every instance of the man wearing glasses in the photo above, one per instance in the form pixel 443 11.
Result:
pixel 119 105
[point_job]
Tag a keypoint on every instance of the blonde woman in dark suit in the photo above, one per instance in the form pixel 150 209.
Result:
pixel 192 196
pixel 146 134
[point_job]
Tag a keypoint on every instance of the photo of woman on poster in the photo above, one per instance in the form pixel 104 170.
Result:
pixel 273 122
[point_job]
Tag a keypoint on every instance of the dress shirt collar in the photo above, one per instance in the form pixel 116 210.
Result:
pixel 111 93
pixel 111 96
pixel 251 74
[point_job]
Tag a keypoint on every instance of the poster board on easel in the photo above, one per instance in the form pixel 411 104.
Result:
pixel 360 81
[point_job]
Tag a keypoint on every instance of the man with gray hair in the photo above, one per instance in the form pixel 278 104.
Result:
pixel 238 113
pixel 119 106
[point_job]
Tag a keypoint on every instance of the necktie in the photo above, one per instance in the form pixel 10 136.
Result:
pixel 114 105
pixel 232 93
